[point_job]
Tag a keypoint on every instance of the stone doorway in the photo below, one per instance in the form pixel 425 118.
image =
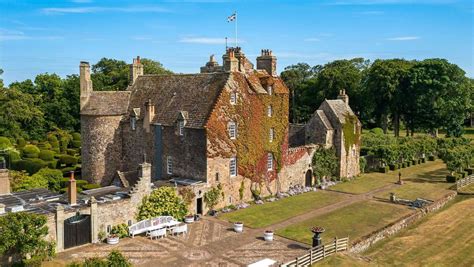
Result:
pixel 199 205
pixel 309 178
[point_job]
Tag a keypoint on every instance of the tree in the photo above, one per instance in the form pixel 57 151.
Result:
pixel 53 178
pixel 26 182
pixel 153 67
pixel 1 80
pixel 24 234
pixel 162 202
pixel 325 163
pixel 382 90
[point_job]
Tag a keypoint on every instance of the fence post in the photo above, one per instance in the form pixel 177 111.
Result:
pixel 311 256
pixel 335 244
pixel 296 261
pixel 324 251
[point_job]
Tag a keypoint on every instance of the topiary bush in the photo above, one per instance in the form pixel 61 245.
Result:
pixel 71 151
pixel 52 164
pixel 90 186
pixel 13 155
pixel 383 169
pixel 63 144
pixel 20 142
pixel 46 155
pixel 67 171
pixel 53 177
pixel 377 131
pixel 162 202
pixel 67 160
pixel 76 140
pixel 44 145
pixel 5 143
pixel 31 151
pixel 451 178
pixel 31 166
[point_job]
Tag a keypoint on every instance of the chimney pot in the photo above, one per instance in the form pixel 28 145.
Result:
pixel 72 193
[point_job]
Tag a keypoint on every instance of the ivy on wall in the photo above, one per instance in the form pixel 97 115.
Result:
pixel 252 144
pixel 351 132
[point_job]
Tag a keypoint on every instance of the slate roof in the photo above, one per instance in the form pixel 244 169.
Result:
pixel 340 109
pixel 171 94
pixel 107 103
pixel 324 119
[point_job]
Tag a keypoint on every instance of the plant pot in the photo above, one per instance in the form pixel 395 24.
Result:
pixel 268 235
pixel 189 219
pixel 112 240
pixel 238 227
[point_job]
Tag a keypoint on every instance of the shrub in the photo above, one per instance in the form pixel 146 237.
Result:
pixel 76 143
pixel 469 171
pixel 121 230
pixel 451 178
pixel 377 131
pixel 44 145
pixel 5 143
pixel 90 186
pixel 29 165
pixel 81 183
pixel 393 167
pixel 162 201
pixel 431 157
pixel 46 155
pixel 362 164
pixel 52 164
pixel 414 162
pixel 76 136
pixel 67 160
pixel 66 171
pixel 383 169
pixel 71 151
pixel 31 151
pixel 53 177
pixel 20 142
pixel 13 155
pixel 64 143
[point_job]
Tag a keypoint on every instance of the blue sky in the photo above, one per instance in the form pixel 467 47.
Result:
pixel 53 36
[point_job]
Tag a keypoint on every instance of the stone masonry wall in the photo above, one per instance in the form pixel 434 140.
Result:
pixel 101 148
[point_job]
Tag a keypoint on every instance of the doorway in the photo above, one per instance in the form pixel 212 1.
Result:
pixel 199 205
pixel 309 178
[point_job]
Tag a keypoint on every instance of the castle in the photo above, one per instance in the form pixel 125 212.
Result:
pixel 225 127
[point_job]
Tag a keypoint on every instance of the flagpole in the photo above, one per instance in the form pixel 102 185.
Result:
pixel 235 28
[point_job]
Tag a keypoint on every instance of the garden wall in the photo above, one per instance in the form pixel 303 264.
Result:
pixel 363 243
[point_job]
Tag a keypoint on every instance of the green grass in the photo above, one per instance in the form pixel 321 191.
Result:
pixel 258 216
pixel 429 172
pixel 469 189
pixel 431 191
pixel 355 221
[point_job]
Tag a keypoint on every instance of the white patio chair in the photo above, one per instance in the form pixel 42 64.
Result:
pixel 159 233
pixel 180 229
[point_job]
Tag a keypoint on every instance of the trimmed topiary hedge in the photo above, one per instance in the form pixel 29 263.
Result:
pixel 5 142
pixel 469 171
pixel 31 166
pixel 90 186
pixel 31 151
pixel 13 155
pixel 451 178
pixel 71 151
pixel 68 160
pixel 52 164
pixel 431 158
pixel 44 145
pixel 46 155
pixel 393 167
pixel 20 143
pixel 66 171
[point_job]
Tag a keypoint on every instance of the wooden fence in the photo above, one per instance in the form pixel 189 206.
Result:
pixel 464 181
pixel 318 253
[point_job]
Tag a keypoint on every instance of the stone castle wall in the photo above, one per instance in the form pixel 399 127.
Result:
pixel 101 148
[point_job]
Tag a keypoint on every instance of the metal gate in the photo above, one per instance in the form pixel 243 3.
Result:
pixel 77 230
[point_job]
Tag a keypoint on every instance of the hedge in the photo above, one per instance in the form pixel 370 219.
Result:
pixel 44 145
pixel 404 165
pixel 46 155
pixel 414 162
pixel 76 136
pixel 408 163
pixel 31 166
pixel 431 158
pixel 68 170
pixel 31 151
pixel 13 155
pixel 451 178
pixel 20 142
pixel 5 142
pixel 52 164
pixel 76 143
pixel 383 169
pixel 393 167
pixel 68 160
pixel 90 186
pixel 71 151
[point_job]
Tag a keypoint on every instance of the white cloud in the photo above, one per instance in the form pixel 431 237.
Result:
pixel 207 40
pixel 404 38
pixel 95 9
pixel 312 39
pixel 389 2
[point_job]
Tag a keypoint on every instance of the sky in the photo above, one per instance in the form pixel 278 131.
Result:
pixel 54 36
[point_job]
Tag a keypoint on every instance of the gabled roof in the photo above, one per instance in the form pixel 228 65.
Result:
pixel 324 119
pixel 107 103
pixel 194 94
pixel 340 109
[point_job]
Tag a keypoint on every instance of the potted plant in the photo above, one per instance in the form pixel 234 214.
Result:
pixel 268 235
pixel 113 239
pixel 238 227
pixel 189 218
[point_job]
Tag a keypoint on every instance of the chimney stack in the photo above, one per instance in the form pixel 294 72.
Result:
pixel 342 95
pixel 71 192
pixel 136 69
pixel 231 63
pixel 86 82
pixel 266 61
pixel 4 182
pixel 149 114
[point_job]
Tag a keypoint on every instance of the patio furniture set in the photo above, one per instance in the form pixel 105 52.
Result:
pixel 158 227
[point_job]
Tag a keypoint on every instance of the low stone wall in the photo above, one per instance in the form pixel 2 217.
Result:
pixel 363 243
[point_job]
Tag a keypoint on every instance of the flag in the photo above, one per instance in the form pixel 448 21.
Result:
pixel 232 17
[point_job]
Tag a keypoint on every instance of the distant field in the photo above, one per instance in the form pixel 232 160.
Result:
pixel 442 239
pixel 431 171
pixel 258 216
pixel 355 221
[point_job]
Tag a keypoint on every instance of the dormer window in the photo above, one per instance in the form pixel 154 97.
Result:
pixel 270 89
pixel 232 130
pixel 181 127
pixel 233 98
pixel 269 111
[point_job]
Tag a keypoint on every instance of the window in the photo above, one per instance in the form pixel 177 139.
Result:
pixel 269 111
pixel 169 165
pixel 232 130
pixel 230 200
pixel 233 98
pixel 181 127
pixel 217 177
pixel 270 90
pixel 233 167
pixel 269 161
pixel 133 123
pixel 272 135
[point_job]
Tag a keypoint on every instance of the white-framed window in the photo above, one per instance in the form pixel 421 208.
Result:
pixel 133 123
pixel 181 127
pixel 272 135
pixel 269 111
pixel 269 161
pixel 232 130
pixel 169 165
pixel 233 98
pixel 233 167
pixel 270 89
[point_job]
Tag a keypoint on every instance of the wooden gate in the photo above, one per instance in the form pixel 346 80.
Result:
pixel 77 231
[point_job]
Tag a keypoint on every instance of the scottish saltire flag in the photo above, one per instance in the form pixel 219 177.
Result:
pixel 232 17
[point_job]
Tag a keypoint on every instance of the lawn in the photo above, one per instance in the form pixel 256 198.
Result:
pixel 431 171
pixel 355 221
pixel 409 190
pixel 469 189
pixel 258 216
pixel 441 239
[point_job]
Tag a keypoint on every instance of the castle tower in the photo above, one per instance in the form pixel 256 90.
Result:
pixel 266 61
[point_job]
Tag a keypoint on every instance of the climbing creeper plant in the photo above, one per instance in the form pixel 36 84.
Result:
pixel 351 132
